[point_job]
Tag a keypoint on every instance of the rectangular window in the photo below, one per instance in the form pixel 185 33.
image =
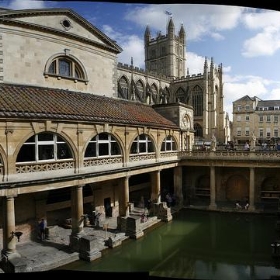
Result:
pixel 268 133
pixel 275 119
pixel 247 118
pixel 239 108
pixel 261 118
pixel 247 131
pixel 238 131
pixel 238 118
pixel 268 118
pixel 261 133
pixel 275 133
pixel 247 107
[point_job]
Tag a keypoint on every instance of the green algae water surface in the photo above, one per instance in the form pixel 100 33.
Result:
pixel 196 245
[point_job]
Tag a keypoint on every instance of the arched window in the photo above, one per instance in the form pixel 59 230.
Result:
pixel 44 147
pixel 102 145
pixel 168 144
pixel 142 144
pixel 123 88
pixel 140 96
pixel 180 95
pixel 197 101
pixel 65 66
pixel 154 90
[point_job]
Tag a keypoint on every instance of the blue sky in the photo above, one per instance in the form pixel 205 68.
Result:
pixel 246 41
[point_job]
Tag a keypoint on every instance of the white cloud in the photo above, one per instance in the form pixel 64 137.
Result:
pixel 239 86
pixel 26 4
pixel 198 20
pixel 194 63
pixel 265 43
pixel 261 20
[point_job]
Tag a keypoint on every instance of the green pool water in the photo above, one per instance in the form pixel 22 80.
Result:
pixel 197 245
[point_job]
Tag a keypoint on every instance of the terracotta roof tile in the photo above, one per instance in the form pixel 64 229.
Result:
pixel 30 102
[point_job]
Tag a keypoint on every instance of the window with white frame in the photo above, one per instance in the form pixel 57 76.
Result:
pixel 275 119
pixel 168 144
pixel 247 131
pixel 44 147
pixel 268 132
pixel 239 108
pixel 261 118
pixel 268 118
pixel 102 145
pixel 247 118
pixel 247 107
pixel 238 131
pixel 238 118
pixel 275 132
pixel 142 144
pixel 261 133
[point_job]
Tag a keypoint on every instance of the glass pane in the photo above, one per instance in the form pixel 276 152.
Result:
pixel 91 150
pixel 26 153
pixel 142 148
pixel 63 151
pixel 115 149
pixel 46 152
pixel 103 149
pixel 45 137
pixel 31 139
pixel 103 136
pixel 52 68
pixel 59 139
pixel 150 147
pixel 134 148
pixel 168 146
pixel 64 68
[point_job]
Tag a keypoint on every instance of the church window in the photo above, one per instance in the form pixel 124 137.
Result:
pixel 198 130
pixel 197 101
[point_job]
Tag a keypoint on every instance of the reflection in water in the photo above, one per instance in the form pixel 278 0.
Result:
pixel 197 245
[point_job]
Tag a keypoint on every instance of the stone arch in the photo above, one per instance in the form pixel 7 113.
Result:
pixel 270 184
pixel 237 188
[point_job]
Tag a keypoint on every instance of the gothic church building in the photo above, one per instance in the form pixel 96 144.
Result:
pixel 164 81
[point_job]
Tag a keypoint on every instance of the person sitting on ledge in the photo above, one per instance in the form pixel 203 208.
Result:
pixel 246 205
pixel 237 205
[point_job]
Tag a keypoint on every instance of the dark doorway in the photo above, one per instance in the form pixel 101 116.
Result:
pixel 107 206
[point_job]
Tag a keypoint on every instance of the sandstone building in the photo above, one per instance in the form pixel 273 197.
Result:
pixel 256 120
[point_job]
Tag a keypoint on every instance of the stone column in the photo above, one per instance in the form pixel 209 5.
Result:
pixel 155 180
pixel 252 190
pixel 178 185
pixel 212 188
pixel 76 216
pixel 124 196
pixel 9 239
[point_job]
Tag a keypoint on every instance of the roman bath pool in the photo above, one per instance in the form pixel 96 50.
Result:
pixel 197 245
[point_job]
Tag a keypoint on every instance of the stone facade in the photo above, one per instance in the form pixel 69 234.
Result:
pixel 256 121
